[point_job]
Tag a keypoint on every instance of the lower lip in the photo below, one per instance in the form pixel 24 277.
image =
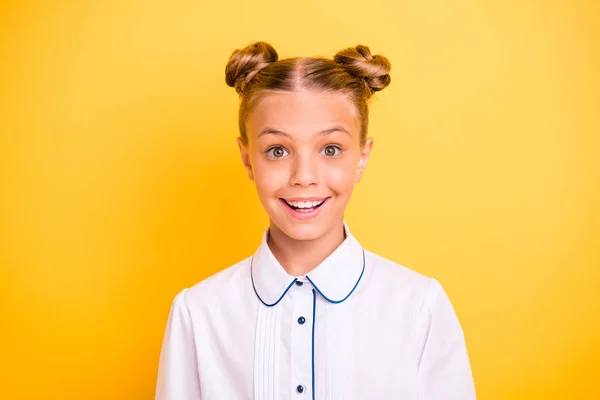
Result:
pixel 304 214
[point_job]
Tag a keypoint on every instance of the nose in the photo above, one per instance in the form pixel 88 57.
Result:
pixel 304 171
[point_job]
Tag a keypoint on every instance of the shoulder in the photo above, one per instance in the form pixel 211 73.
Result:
pixel 388 276
pixel 394 281
pixel 218 287
pixel 387 272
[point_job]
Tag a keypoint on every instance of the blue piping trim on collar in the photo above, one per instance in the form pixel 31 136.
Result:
pixel 257 295
pixel 311 282
pixel 338 301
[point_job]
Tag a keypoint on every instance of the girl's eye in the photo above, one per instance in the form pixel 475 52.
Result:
pixel 331 150
pixel 276 152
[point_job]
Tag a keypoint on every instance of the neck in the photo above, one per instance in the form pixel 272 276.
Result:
pixel 298 257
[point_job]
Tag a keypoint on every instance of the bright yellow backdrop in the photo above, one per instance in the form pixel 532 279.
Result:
pixel 121 183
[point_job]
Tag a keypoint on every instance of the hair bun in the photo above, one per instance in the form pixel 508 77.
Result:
pixel 375 70
pixel 247 62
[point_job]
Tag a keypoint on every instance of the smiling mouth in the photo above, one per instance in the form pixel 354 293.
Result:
pixel 305 206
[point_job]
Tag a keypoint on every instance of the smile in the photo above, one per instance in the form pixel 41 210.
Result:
pixel 307 208
pixel 304 204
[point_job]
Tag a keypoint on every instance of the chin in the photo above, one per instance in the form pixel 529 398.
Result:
pixel 302 230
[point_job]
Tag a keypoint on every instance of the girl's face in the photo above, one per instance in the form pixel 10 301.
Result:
pixel 304 155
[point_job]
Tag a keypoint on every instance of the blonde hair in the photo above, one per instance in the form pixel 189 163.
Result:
pixel 354 72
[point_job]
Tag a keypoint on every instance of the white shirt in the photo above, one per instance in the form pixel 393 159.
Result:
pixel 357 327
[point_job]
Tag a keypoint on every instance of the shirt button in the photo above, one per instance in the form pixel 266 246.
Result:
pixel 301 320
pixel 300 388
pixel 299 283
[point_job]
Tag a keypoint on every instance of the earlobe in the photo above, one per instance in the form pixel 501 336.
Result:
pixel 245 158
pixel 359 173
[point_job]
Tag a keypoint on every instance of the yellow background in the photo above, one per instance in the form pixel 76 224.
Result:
pixel 121 182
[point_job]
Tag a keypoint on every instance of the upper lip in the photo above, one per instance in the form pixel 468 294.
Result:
pixel 304 199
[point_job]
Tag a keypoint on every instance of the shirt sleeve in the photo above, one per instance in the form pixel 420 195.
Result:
pixel 178 368
pixel 444 370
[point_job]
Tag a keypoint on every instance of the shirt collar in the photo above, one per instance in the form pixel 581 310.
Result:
pixel 335 278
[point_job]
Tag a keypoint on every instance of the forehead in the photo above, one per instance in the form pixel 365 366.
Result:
pixel 303 112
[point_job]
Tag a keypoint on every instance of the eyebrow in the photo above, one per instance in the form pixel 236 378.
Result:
pixel 271 131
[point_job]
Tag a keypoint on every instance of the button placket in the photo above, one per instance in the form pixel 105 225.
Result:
pixel 301 342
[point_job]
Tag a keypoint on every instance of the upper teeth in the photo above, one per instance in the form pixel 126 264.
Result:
pixel 305 204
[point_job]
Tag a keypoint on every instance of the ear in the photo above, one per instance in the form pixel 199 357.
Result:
pixel 364 158
pixel 245 158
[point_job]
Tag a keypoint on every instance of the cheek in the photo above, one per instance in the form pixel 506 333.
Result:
pixel 342 177
pixel 268 178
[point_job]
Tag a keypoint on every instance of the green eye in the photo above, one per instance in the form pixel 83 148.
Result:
pixel 276 152
pixel 332 151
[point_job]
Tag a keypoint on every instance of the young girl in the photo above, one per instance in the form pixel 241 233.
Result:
pixel 312 314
